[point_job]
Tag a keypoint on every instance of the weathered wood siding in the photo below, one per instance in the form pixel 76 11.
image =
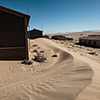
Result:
pixel 35 34
pixel 89 42
pixel 12 30
pixel 12 37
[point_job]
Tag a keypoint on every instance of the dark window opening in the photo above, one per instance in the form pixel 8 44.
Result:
pixel 94 43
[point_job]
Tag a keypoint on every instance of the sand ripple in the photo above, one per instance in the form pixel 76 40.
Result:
pixel 64 79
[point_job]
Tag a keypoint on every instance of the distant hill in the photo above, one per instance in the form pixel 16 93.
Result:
pixel 78 34
pixel 92 31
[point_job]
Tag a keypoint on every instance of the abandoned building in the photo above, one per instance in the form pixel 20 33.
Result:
pixel 92 41
pixel 35 33
pixel 13 34
pixel 58 37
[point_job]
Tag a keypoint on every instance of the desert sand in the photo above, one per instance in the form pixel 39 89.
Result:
pixel 72 75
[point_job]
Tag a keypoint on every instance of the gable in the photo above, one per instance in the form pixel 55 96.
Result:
pixel 16 13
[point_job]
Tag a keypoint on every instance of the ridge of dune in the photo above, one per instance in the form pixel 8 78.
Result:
pixel 92 92
pixel 65 77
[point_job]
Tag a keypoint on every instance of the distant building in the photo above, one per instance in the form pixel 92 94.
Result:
pixel 13 34
pixel 58 37
pixel 92 41
pixel 35 33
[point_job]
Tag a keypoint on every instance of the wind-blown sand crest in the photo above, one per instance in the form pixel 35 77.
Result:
pixel 63 79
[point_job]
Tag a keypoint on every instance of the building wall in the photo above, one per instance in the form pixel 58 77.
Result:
pixel 11 29
pixel 95 43
pixel 98 43
pixel 35 34
pixel 82 41
pixel 88 42
pixel 12 53
pixel 12 37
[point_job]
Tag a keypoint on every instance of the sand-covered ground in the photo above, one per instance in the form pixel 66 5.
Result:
pixel 71 75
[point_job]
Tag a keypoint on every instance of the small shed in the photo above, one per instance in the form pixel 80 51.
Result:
pixel 92 41
pixel 13 34
pixel 35 33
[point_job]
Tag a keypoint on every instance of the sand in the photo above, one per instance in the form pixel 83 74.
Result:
pixel 69 76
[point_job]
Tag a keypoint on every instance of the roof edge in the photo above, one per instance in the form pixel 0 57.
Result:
pixel 16 13
pixel 35 29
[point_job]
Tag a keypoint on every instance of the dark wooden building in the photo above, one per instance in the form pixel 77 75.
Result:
pixel 13 34
pixel 58 37
pixel 92 41
pixel 35 33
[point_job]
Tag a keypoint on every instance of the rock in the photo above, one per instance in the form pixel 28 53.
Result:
pixel 35 45
pixel 26 62
pixel 54 55
pixel 92 53
pixel 41 51
pixel 96 54
pixel 35 51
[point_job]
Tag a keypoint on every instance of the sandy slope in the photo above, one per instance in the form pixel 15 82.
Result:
pixel 92 92
pixel 63 78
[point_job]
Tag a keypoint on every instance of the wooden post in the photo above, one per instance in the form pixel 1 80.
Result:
pixel 26 41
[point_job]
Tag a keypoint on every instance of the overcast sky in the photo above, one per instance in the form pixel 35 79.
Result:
pixel 59 15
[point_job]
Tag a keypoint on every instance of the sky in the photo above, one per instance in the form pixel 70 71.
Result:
pixel 59 16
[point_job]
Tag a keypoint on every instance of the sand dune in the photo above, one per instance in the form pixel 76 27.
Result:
pixel 64 77
pixel 92 92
